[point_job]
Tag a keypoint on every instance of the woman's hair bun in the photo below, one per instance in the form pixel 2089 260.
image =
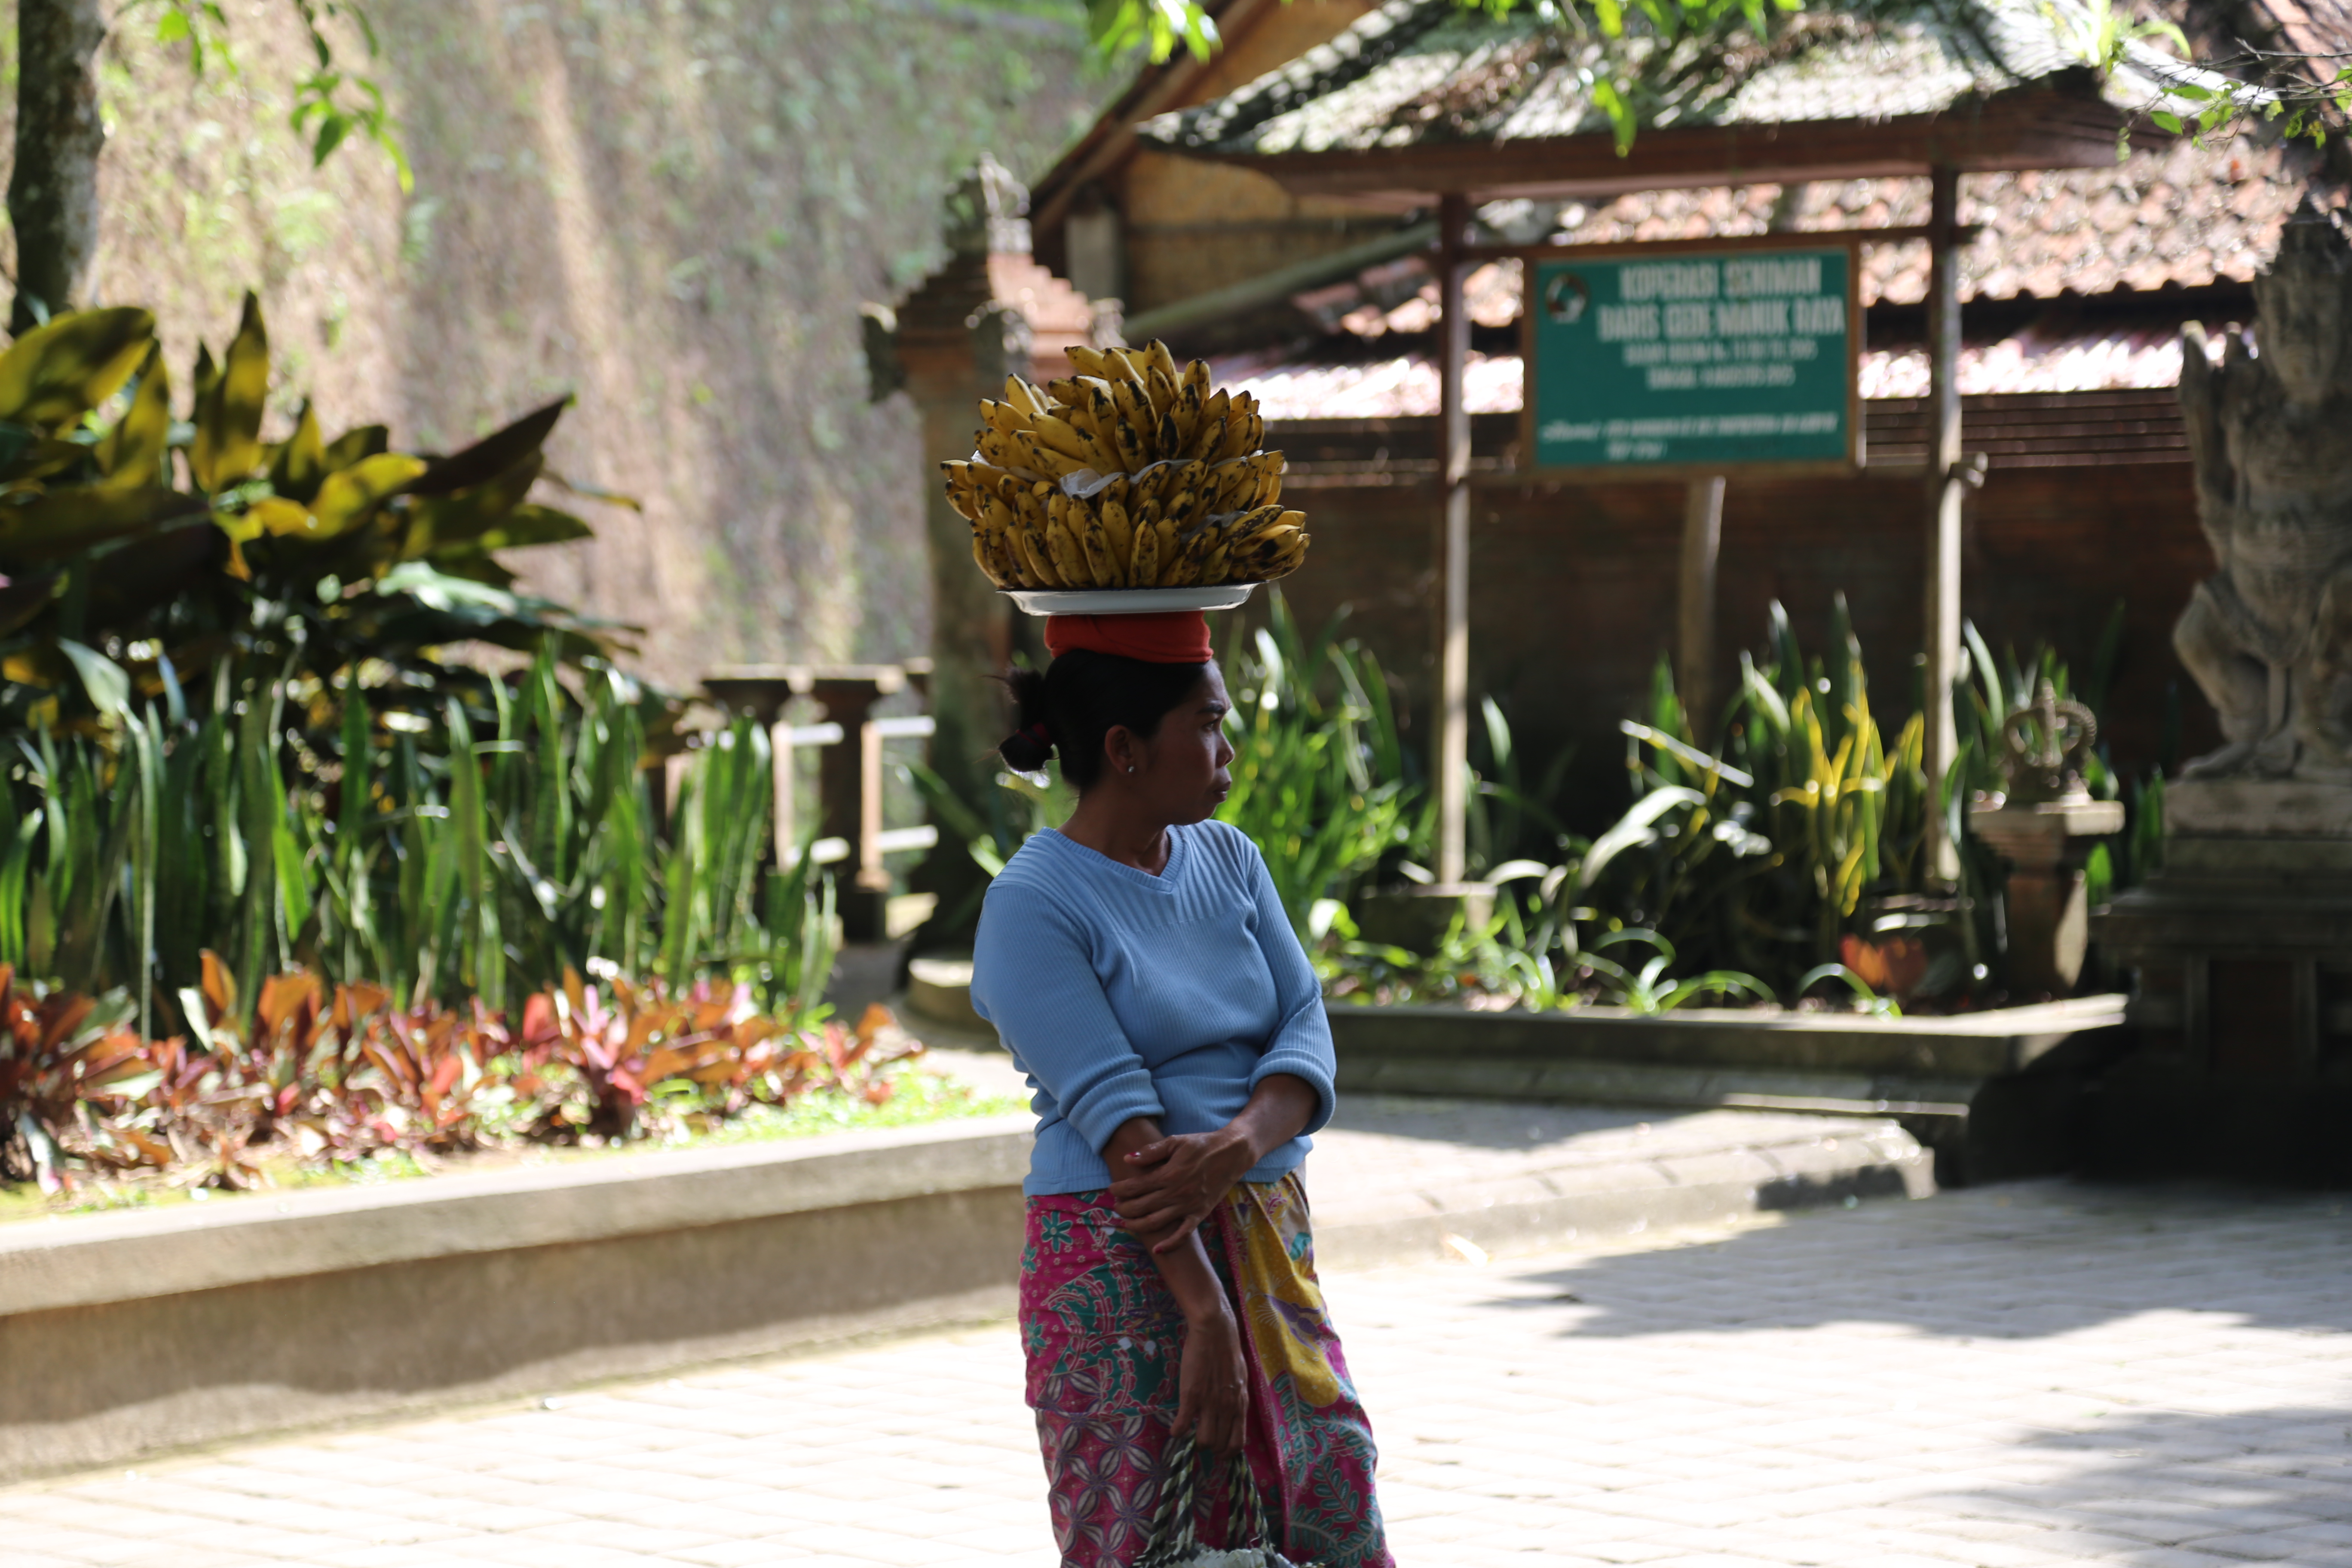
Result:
pixel 1026 751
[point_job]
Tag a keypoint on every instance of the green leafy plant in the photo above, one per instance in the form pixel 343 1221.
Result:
pixel 1318 765
pixel 179 545
pixel 1756 860
pixel 331 103
pixel 486 855
pixel 1470 961
pixel 1743 869
pixel 1790 852
pixel 1650 989
pixel 234 728
pixel 1507 818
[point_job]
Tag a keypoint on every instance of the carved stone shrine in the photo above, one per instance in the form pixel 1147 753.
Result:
pixel 2242 944
pixel 2045 828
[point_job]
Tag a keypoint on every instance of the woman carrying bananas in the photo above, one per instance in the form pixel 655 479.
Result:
pixel 1139 967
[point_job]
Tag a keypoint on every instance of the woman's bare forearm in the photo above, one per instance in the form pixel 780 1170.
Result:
pixel 1277 1111
pixel 1166 1187
pixel 1184 1266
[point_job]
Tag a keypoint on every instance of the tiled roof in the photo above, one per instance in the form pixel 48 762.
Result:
pixel 2169 216
pixel 2172 214
pixel 1428 72
pixel 1405 386
pixel 1051 308
pixel 1385 388
pixel 2320 30
pixel 2114 361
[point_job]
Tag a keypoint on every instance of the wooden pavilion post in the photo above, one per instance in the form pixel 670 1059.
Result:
pixel 1940 624
pixel 1453 760
pixel 1694 603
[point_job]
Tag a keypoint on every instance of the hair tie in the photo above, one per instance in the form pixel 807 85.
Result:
pixel 1039 734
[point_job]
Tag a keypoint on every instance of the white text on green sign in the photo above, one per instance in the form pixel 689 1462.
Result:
pixel 1731 359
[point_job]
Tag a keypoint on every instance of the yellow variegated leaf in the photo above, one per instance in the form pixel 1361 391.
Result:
pixel 591 492
pixel 440 521
pixel 475 566
pixel 26 455
pixel 298 463
pixel 279 516
pixel 1849 881
pixel 203 376
pixel 362 441
pixel 56 373
pixel 132 454
pixel 242 527
pixel 70 520
pixel 494 455
pixel 228 446
pixel 349 494
pixel 528 525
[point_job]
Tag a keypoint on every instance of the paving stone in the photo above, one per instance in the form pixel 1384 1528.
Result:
pixel 2014 1377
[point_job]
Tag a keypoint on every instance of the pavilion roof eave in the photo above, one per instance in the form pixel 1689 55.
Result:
pixel 2010 131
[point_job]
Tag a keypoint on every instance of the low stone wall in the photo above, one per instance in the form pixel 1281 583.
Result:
pixel 1996 1095
pixel 1704 1170
pixel 127 1333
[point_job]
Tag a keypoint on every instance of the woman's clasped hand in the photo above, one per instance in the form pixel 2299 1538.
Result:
pixel 1176 1183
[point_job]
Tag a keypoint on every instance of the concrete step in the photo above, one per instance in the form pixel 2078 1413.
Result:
pixel 128 1333
pixel 1996 1095
pixel 1404 1178
pixel 1400 1180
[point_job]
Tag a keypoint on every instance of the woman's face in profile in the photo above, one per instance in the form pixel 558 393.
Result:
pixel 1182 772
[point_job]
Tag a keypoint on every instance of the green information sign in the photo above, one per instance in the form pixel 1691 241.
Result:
pixel 1691 360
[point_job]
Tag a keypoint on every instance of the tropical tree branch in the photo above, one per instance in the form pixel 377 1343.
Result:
pixel 1640 56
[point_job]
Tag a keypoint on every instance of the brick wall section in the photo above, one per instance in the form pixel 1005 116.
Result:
pixel 1572 589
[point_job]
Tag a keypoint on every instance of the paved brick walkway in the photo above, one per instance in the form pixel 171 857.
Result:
pixel 2037 1375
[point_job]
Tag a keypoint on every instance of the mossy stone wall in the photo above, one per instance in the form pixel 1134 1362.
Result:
pixel 672 207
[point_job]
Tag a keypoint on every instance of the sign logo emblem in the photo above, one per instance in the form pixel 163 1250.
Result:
pixel 1566 298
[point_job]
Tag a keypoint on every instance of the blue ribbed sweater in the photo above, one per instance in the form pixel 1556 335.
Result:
pixel 1122 995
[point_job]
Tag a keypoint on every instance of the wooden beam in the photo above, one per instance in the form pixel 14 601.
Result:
pixel 1453 760
pixel 2030 129
pixel 1784 239
pixel 1940 619
pixel 1694 603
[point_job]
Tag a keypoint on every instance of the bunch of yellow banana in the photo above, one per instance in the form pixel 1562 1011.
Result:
pixel 1132 474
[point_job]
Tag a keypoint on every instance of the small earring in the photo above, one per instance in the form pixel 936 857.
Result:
pixel 1130 767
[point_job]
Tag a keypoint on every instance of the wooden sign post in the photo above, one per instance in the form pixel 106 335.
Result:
pixel 1702 362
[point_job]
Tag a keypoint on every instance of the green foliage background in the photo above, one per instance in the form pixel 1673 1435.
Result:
pixel 672 207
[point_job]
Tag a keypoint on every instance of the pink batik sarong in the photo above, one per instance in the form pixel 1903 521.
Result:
pixel 1104 1341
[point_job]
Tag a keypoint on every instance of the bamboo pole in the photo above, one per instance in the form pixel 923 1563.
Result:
pixel 1941 623
pixel 1694 607
pixel 1453 760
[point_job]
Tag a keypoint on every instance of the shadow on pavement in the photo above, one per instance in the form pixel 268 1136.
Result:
pixel 2022 1261
pixel 2229 1486
pixel 1484 1124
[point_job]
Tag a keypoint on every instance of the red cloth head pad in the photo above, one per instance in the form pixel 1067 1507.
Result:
pixel 1179 636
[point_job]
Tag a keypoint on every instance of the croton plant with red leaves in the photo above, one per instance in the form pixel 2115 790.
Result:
pixel 323 1075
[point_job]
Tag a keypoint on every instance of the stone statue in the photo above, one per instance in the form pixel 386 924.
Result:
pixel 2269 636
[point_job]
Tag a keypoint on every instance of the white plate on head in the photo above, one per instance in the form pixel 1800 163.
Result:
pixel 1128 601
